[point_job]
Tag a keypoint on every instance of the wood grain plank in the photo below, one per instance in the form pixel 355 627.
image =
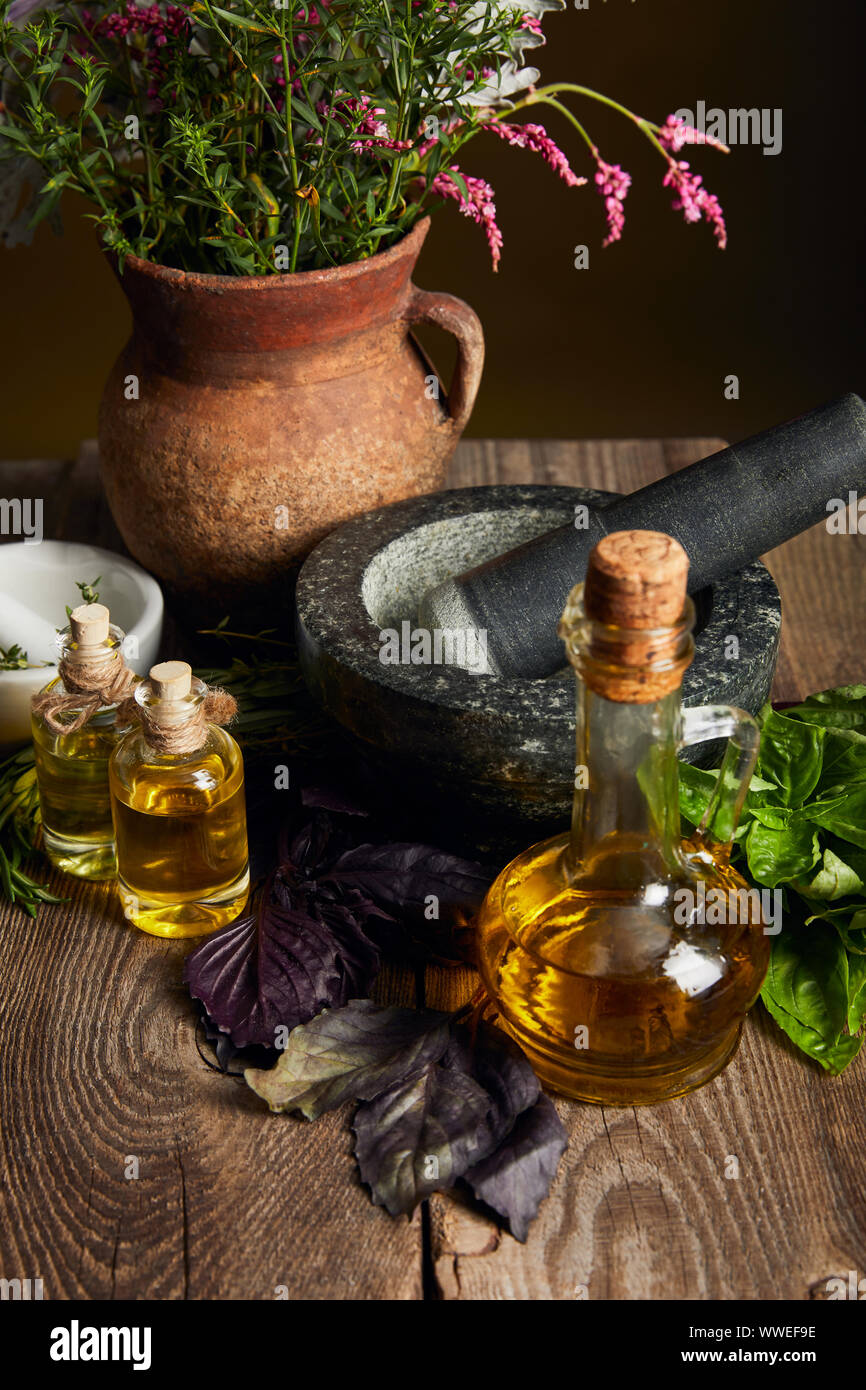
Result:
pixel 100 1065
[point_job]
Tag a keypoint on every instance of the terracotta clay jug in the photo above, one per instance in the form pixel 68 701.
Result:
pixel 247 417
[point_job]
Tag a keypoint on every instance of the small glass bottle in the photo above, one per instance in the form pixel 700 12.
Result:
pixel 74 735
pixel 622 958
pixel 177 797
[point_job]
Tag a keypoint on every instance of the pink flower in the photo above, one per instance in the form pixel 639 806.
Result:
pixel 479 206
pixel 155 30
pixel 674 134
pixel 536 138
pixel 613 185
pixel 693 200
pixel 369 131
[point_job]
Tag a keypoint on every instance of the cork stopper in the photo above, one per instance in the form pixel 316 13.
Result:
pixel 171 680
pixel 89 624
pixel 636 583
pixel 636 580
pixel 175 708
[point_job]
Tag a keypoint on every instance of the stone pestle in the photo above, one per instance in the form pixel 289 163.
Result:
pixel 725 510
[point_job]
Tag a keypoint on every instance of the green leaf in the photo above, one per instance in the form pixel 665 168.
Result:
pixel 775 817
pixel 790 755
pixel 841 708
pixel 844 759
pixel 776 856
pixel 300 108
pixel 808 976
pixel 851 927
pixel 696 788
pixel 856 993
pixel 834 1057
pixel 807 991
pixel 835 879
pixel 242 22
pixel 16 136
pixel 844 815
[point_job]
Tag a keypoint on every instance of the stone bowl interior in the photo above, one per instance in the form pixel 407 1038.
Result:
pixel 399 574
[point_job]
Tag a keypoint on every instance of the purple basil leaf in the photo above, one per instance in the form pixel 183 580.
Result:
pixel 350 1054
pixel 432 894
pixel 420 1136
pixel 516 1177
pixel 281 965
pixel 318 843
pixel 405 875
pixel 496 1062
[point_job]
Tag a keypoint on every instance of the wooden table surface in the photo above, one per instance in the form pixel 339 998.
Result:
pixel 98 1064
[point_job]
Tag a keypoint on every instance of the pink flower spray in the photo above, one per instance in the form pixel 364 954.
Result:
pixel 479 206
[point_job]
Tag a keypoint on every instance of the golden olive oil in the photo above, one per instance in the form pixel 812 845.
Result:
pixel 72 762
pixel 180 822
pixel 612 998
pixel 74 800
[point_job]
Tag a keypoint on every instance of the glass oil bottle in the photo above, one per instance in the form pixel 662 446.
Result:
pixel 622 958
pixel 75 729
pixel 177 797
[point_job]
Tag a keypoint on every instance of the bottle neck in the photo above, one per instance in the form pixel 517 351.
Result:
pixel 626 819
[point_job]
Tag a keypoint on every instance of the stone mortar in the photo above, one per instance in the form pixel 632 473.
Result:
pixel 495 756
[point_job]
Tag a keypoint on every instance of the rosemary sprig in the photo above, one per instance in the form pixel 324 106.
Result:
pixel 19 829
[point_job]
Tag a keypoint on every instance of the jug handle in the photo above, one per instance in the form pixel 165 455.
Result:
pixel 726 803
pixel 448 312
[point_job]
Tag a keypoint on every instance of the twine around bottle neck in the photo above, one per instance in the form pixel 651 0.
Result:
pixel 89 684
pixel 188 734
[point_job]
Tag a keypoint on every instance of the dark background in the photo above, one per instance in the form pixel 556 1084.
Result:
pixel 641 342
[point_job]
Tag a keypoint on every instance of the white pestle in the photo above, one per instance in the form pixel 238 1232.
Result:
pixel 22 627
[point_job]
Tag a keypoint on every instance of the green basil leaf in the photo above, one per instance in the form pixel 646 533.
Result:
pixel 775 817
pixel 696 788
pixel 833 1057
pixel 776 856
pixel 852 855
pixel 790 756
pixel 808 979
pixel 844 815
pixel 851 927
pixel 834 879
pixel 841 708
pixel 844 759
pixel 697 785
pixel 856 993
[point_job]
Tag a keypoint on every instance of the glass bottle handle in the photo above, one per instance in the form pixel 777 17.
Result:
pixel 722 815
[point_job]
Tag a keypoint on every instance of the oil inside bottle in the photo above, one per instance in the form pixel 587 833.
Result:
pixel 614 998
pixel 180 825
pixel 72 777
